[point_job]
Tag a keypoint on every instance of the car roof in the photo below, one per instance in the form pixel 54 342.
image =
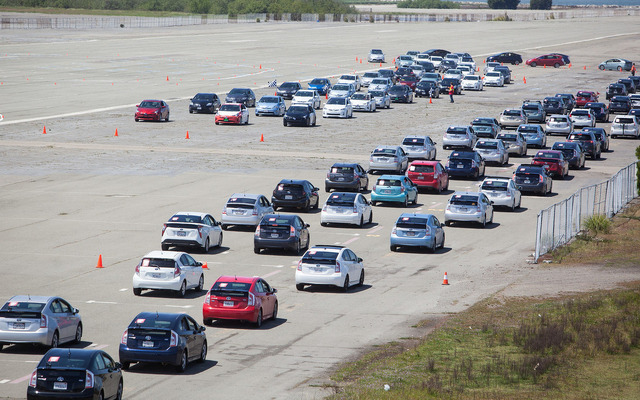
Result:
pixel 339 164
pixel 381 147
pixel 328 247
pixel 197 214
pixel 169 255
pixel 391 177
pixel 35 299
pixel 157 315
pixel 293 181
pixel 288 217
pixel 246 195
pixel 235 278
pixel 424 162
pixel 409 215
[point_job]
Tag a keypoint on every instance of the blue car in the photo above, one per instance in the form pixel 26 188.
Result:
pixel 465 164
pixel 534 135
pixel 394 189
pixel 165 338
pixel 417 230
pixel 321 85
pixel 271 105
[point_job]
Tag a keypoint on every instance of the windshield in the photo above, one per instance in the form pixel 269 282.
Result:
pixel 471 78
pixel 203 96
pixel 371 75
pixel 342 199
pixel 337 100
pixel 359 96
pixel 269 99
pixel 379 82
pixel 150 104
pixel 298 109
pixel 238 91
pixel 317 82
pixel 289 85
pixel 304 93
pixel 494 74
pixel 376 93
pixel 341 87
pixel 230 107
pixel 397 89
pixel 348 77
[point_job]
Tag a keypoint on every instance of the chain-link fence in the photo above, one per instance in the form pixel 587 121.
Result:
pixel 562 221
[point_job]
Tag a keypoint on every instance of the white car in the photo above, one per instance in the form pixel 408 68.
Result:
pixel 168 270
pixel 363 102
pixel 435 60
pixel 329 265
pixel 380 84
pixel 470 64
pixel 381 97
pixel 501 192
pixel 493 79
pixel 490 66
pixel 583 117
pixel 245 209
pixel 625 125
pixel 472 82
pixel 376 56
pixel 337 107
pixel 309 97
pixel 635 100
pixel 342 90
pixel 346 208
pixel 418 70
pixel 422 57
pixel 353 79
pixel 368 77
pixel 191 229
pixel 558 123
pixel 404 61
pixel 453 73
pixel 492 150
pixel 466 70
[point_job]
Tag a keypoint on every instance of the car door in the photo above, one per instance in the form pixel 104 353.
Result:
pixel 362 176
pixel 193 336
pixel 208 228
pixel 270 296
pixel 189 267
pixel 488 206
pixel 260 292
pixel 346 263
pixel 71 319
pixel 110 375
pixel 437 226
pixel 61 320
pixel 101 373
pixel 356 267
pixel 515 192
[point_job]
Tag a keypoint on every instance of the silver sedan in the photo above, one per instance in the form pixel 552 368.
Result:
pixel 492 150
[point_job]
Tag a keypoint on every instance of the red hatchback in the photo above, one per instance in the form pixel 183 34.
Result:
pixel 555 160
pixel 429 174
pixel 549 60
pixel 240 298
pixel 409 80
pixel 584 96
pixel 152 110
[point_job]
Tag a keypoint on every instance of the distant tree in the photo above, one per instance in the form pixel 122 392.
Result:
pixel 540 4
pixel 427 4
pixel 503 4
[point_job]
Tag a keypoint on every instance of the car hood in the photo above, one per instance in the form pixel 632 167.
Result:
pixel 148 110
pixel 223 113
pixel 236 97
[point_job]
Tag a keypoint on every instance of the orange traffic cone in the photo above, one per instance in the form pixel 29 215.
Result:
pixel 116 134
pixel 569 65
pixel 430 102
pixel 484 61
pixel 380 65
pixel 356 59
pixel 445 281
pixel 544 66
pixel 167 78
pixel 585 68
pixel 99 262
pixel 262 137
pixel 326 95
pixel 275 93
pixel 187 137
pixel 361 61
pixel 205 266
pixel 260 66
pixel 524 79
pixel 44 130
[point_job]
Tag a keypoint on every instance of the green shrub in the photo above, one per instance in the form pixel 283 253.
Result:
pixel 427 4
pixel 598 223
pixel 503 4
pixel 540 4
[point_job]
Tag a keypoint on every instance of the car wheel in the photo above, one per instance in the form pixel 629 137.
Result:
pixel 519 203
pixel 308 121
pixel 203 352
pixel 200 286
pixel 285 123
pixel 119 392
pixel 183 362
pixel 432 249
pixel 101 396
pixel 373 202
pixel 415 200
pixel 206 246
pixel 533 64
pixel 345 285
pixel 183 289
pixel 55 340
pixel 219 244
pixel 601 67
pixel 513 205
pixel 442 243
pixel 256 250
pixel 324 224
pixel 167 119
pixel 136 119
pixel 361 280
pixel 361 224
pixel 137 291
pixel 258 322
pixel 484 221
pixel 224 227
pixel 274 314
pixel 314 122
pixel 491 219
pixel 78 337
pixel 371 217
pixel 327 189
pixel 393 248
pixel 299 286
pixel 405 203
pixel 190 111
pixel 619 68
pixel 126 365
pixel 296 249
pixel 164 247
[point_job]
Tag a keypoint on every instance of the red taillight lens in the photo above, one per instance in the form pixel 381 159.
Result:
pixel 292 231
pixel 34 377
pixel 255 211
pixel 164 228
pixel 43 321
pixel 473 164
pixel 257 233
pixel 224 211
pixel 138 269
pixel 88 379
pixel 200 231
pixel 355 209
pixel 540 177
pixel 300 265
pixel 251 301
pixel 176 272
pixel 401 189
pixel 207 299
pixel 174 339
pixel 123 340
pixel 337 266
pixel 374 188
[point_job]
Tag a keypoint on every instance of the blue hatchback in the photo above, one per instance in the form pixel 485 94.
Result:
pixel 417 230
pixel 321 85
pixel 394 189
pixel 465 164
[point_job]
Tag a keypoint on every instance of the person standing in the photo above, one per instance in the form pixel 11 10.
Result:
pixel 633 69
pixel 451 91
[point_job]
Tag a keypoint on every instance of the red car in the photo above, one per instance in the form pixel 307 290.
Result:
pixel 555 161
pixel 240 298
pixel 550 60
pixel 428 174
pixel 584 96
pixel 152 110
pixel 409 80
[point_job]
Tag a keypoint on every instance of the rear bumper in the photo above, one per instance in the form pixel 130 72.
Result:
pixel 331 218
pixel 312 279
pixel 34 394
pixel 300 203
pixel 169 356
pixel 41 336
pixel 265 243
pixel 428 241
pixel 246 314
pixel 139 283
pixel 354 185
pixel 181 243
pixel 395 198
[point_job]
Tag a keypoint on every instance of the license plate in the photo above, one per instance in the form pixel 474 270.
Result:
pixel 527 181
pixel 60 385
pixel 411 233
pixel 147 344
pixel 226 119
pixel 317 269
pixel 460 166
pixel 288 197
pixel 18 325
pixel 238 212
pixel 463 208
pixel 421 178
pixel 182 233
pixel 383 159
pixel 386 191
pixel 157 276
pixel 340 179
pixel 228 303
pixel 274 235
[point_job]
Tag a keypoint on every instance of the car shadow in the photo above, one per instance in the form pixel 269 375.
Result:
pixel 217 250
pixel 193 368
pixel 566 178
pixel 281 252
pixel 161 294
pixel 421 250
pixel 26 348
pixel 336 289
pixel 241 228
pixel 508 209
pixel 366 225
pixel 246 325
pixel 299 211
pixel 468 224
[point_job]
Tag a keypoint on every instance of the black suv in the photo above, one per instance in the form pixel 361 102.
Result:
pixel 511 58
pixel 554 105
pixel 600 110
pixel 533 178
pixel 288 89
pixel 616 89
pixel 204 102
pixel 295 193
pixel 588 141
pixel 620 104
pixel 346 176
pixel 573 153
pixel 277 231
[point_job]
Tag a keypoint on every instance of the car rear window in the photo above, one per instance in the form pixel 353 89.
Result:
pixel 510 137
pixel 152 323
pixel 241 202
pixel 314 256
pixel 158 262
pixel 384 152
pixel 68 360
pixel 558 119
pixel 530 107
pixel 275 221
pixel 495 185
pixel 512 112
pixel 341 170
pixel 487 145
pixel 578 136
pixel 457 131
pixel 413 141
pixel 289 188
pixel 223 288
pixel 193 219
pixel 21 309
pixel 464 200
pixel 583 94
pixel 412 222
pixel 388 182
pixel 622 120
pixel 342 199
pixel 421 168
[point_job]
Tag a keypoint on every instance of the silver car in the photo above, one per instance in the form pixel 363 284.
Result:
pixel 534 135
pixel 376 55
pixel 488 67
pixel 46 320
pixel 381 97
pixel 419 147
pixel 512 118
pixel 245 209
pixel 514 142
pixel 501 192
pixel 492 150
pixel 583 117
pixel 363 102
pixel 342 90
pixel 404 61
pixel 625 125
pixel 368 77
pixel 346 208
pixel 353 79
pixel 469 207
pixel 559 123
pixel 388 158
pixel 459 136
pixel 380 84
pixel 271 105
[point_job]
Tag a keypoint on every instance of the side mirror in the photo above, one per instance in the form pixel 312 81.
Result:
pixel 118 365
pixel 202 328
pixel 198 264
pixel 315 189
pixel 491 202
pixel 306 225
pixel 275 290
pixel 359 259
pixel 75 311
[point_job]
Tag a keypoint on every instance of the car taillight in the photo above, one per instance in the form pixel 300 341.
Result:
pixel 257 233
pixel 88 379
pixel 239 114
pixel 374 188
pixel 540 177
pixel 255 211
pixel 251 299
pixel 401 189
pixel 200 231
pixel 394 230
pixel 473 164
pixel 138 269
pixel 324 208
pixel 328 175
pixel 371 159
pixel 224 210
pixel 164 228
pixel 207 299
pixel 292 231
pixel 300 265
pixel 33 379
pixel 43 321
pixel 174 339
pixel 123 340
pixel 337 266
pixel 176 272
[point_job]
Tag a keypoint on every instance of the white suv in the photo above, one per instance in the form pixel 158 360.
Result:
pixel 168 270
pixel 329 265
pixel 625 125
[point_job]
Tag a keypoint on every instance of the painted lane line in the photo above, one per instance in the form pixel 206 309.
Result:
pixel 271 265
pixel 102 346
pixel 271 273
pixel 174 306
pixel 351 240
pixel 123 290
pixel 19 380
pixel 101 302
pixel 376 229
pixel 4 381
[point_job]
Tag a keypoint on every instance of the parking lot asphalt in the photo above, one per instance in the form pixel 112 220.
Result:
pixel 79 191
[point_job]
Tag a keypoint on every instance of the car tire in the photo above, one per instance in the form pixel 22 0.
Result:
pixel 126 365
pixel 374 203
pixel 136 119
pixel 200 286
pixel 101 396
pixel 78 338
pixel 308 122
pixel 167 119
pixel 415 200
pixel 327 189
pixel 285 123
pixel 314 122
pixel 442 243
pixel 190 111
pixel 484 222
pixel 371 217
pixel 224 227
pixel 361 224
pixel 361 280
pixel 393 248
pixel 324 224
pixel 299 286
pixel 345 285
pixel 533 64
pixel 137 291
pixel 183 289
pixel 219 244
pixel 405 203
pixel 182 366
pixel 256 250
pixel 619 68
pixel 119 392
pixel 203 352
pixel 297 247
pixel 258 323
pixel 601 67
pixel 432 249
pixel 205 248
pixel 55 340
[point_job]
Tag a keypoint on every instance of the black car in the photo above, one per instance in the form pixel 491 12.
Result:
pixel 616 89
pixel 278 231
pixel 446 65
pixel 242 96
pixel 573 153
pixel 588 141
pixel 295 193
pixel 346 176
pixel 565 57
pixel 554 105
pixel 600 110
pixel 426 65
pixel 620 104
pixel 165 338
pixel 636 80
pixel 629 84
pixel 533 178
pixel 288 89
pixel 510 58
pixel 465 164
pixel 299 114
pixel 437 52
pixel 569 100
pixel 601 135
pixel 388 73
pixel 204 102
pixel 76 374
pixel 636 113
pixel 403 71
pixel 427 89
pixel 401 94
pixel 506 73
pixel 447 82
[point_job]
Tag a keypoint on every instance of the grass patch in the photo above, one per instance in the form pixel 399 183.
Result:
pixel 574 347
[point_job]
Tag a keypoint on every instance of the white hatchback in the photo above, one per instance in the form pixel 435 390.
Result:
pixel 191 229
pixel 309 97
pixel 501 192
pixel 625 125
pixel 346 208
pixel 168 270
pixel 337 107
pixel 472 82
pixel 329 265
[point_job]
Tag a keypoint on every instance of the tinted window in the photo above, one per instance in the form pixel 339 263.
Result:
pixel 158 262
pixel 412 222
pixel 345 199
pixel 320 257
